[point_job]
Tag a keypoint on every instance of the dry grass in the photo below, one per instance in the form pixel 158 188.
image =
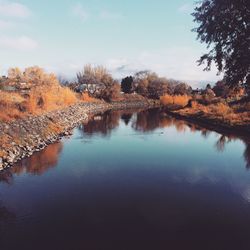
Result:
pixel 178 100
pixel 220 109
pixel 181 100
pixel 194 104
pixel 39 100
pixel 84 97
pixel 9 99
pixel 221 112
pixel 167 100
pixel 9 106
pixel 56 97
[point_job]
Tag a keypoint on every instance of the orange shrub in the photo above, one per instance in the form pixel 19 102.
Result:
pixel 194 104
pixel 86 98
pixel 67 96
pixel 31 103
pixel 8 98
pixel 179 100
pixel 221 109
pixel 167 100
pixel 9 105
pixel 44 99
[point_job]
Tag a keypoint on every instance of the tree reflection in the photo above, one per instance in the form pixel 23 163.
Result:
pixel 220 144
pixel 152 119
pixel 147 120
pixel 247 155
pixel 126 117
pixel 37 164
pixel 225 139
pixel 102 124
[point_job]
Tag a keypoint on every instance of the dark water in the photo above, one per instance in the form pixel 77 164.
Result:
pixel 130 181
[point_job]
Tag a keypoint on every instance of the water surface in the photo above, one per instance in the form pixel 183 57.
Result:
pixel 130 180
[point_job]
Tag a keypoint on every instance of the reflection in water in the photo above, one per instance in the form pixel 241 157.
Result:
pixel 6 217
pixel 147 120
pixel 220 144
pixel 247 155
pixel 37 164
pixel 150 120
pixel 5 214
pixel 104 124
pixel 223 140
pixel 156 193
pixel 101 124
pixel 126 117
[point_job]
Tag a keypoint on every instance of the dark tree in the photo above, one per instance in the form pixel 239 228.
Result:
pixel 208 86
pixel 225 27
pixel 127 84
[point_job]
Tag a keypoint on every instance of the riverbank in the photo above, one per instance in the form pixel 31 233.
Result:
pixel 21 138
pixel 208 121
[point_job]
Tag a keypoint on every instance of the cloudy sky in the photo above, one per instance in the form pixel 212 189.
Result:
pixel 126 36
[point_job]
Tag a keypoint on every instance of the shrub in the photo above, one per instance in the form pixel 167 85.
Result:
pixel 178 100
pixel 220 109
pixel 9 105
pixel 84 97
pixel 181 100
pixel 44 94
pixel 194 104
pixel 167 100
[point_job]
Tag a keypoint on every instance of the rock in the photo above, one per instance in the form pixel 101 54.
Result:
pixel 1 164
pixel 33 132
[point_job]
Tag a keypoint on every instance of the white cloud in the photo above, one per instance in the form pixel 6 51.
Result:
pixel 186 8
pixel 175 62
pixel 5 24
pixel 21 43
pixel 80 12
pixel 106 15
pixel 13 9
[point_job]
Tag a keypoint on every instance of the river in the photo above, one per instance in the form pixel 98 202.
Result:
pixel 127 180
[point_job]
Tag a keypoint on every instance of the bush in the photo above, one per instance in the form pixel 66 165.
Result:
pixel 181 100
pixel 86 98
pixel 44 94
pixel 167 100
pixel 56 97
pixel 220 109
pixel 178 100
pixel 9 105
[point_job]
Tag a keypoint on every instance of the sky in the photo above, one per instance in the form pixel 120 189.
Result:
pixel 123 35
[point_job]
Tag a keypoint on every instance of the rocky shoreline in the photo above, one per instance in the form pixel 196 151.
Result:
pixel 21 138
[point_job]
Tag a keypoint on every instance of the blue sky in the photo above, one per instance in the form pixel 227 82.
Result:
pixel 124 35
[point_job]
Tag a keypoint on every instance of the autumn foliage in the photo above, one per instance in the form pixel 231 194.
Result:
pixel 178 100
pixel 36 92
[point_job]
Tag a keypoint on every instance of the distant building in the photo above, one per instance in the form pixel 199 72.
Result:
pixel 197 91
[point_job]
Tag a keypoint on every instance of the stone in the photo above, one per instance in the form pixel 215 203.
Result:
pixel 1 164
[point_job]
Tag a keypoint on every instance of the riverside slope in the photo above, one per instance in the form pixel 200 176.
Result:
pixel 21 138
